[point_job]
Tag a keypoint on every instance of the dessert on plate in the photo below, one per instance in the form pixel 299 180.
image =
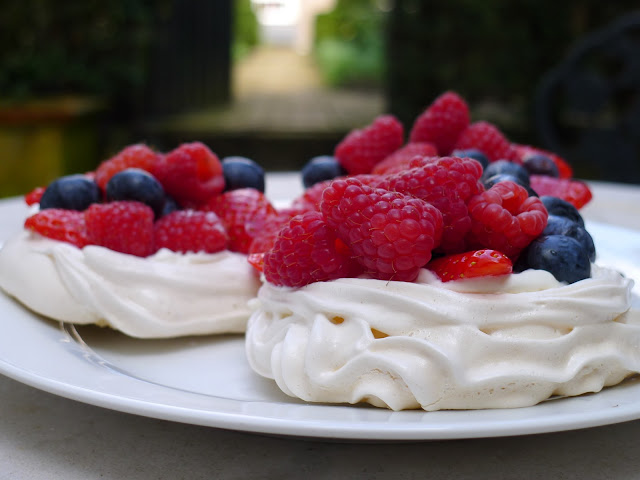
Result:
pixel 154 245
pixel 450 272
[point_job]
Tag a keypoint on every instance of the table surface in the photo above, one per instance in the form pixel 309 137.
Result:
pixel 43 436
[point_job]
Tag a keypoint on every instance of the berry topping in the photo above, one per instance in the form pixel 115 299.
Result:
pixel 400 159
pixel 560 255
pixel 505 167
pixel 138 185
pixel 390 234
pixel 575 192
pixel 472 153
pixel 59 224
pixel 73 192
pixel 133 156
pixel 446 183
pixel 241 172
pixel 244 213
pixel 564 226
pixel 562 208
pixel 125 227
pixel 361 150
pixel 34 196
pixel 539 164
pixel 191 174
pixel 505 218
pixel 487 138
pixel 190 231
pixel 306 251
pixel 523 151
pixel 442 122
pixel 320 169
pixel 478 263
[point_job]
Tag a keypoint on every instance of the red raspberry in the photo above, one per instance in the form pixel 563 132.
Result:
pixel 59 224
pixel 446 183
pixel 125 227
pixel 266 237
pixel 478 263
pixel 399 160
pixel 310 199
pixel 524 151
pixel 362 149
pixel 191 174
pixel 244 212
pixel 487 138
pixel 442 122
pixel 505 218
pixel 133 156
pixel 573 191
pixel 190 231
pixel 305 252
pixel 391 234
pixel 34 196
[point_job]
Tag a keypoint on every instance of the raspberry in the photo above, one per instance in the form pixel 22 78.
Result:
pixel 391 234
pixel 190 231
pixel 133 156
pixel 304 252
pixel 442 122
pixel 266 237
pixel 244 212
pixel 505 218
pixel 191 174
pixel 362 149
pixel 399 160
pixel 125 227
pixel 487 138
pixel 478 263
pixel 573 191
pixel 59 224
pixel 34 196
pixel 446 183
pixel 310 199
pixel 524 151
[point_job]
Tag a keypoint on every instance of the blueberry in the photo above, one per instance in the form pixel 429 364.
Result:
pixel 321 168
pixel 472 153
pixel 170 205
pixel 562 256
pixel 73 192
pixel 138 185
pixel 241 172
pixel 539 164
pixel 562 208
pixel 505 177
pixel 563 226
pixel 509 168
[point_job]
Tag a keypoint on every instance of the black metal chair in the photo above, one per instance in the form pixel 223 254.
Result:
pixel 587 109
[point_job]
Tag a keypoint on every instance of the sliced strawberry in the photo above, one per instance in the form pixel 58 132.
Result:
pixel 34 196
pixel 573 191
pixel 477 263
pixel 59 224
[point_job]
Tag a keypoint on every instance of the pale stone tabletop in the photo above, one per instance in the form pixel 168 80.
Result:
pixel 43 436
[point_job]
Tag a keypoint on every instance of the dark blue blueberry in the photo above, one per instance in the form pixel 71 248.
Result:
pixel 170 205
pixel 319 169
pixel 472 153
pixel 505 177
pixel 562 256
pixel 538 164
pixel 241 172
pixel 73 192
pixel 509 168
pixel 562 208
pixel 138 185
pixel 563 226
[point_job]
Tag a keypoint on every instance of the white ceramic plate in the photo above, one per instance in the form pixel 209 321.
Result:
pixel 207 381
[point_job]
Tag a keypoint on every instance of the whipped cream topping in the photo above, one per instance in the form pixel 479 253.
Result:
pixel 502 342
pixel 165 295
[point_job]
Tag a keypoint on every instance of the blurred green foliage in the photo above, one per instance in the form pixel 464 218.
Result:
pixel 349 44
pixel 245 29
pixel 91 47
